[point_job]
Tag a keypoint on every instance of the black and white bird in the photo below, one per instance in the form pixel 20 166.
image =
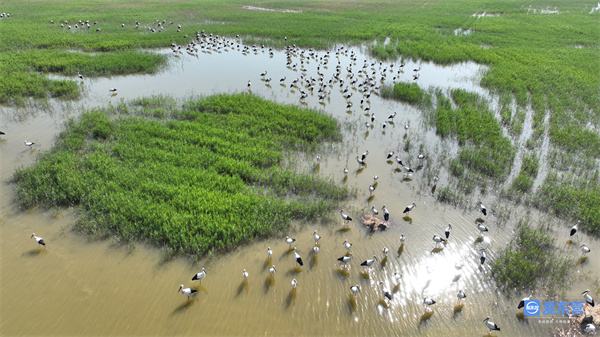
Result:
pixel 588 298
pixel 245 274
pixel 428 301
pixel 522 302
pixel 482 228
pixel 347 245
pixel 345 259
pixel 482 256
pixel 199 276
pixel 584 249
pixel 28 143
pixel 113 90
pixel 269 252
pixel 438 239
pixel 371 189
pixel 482 208
pixel 355 289
pixel 38 239
pixel 272 270
pixel 573 229
pixel 2 133
pixel 386 293
pixel 409 208
pixel 386 213
pixel 290 241
pixel 369 262
pixel 188 292
pixel 447 231
pixel 316 237
pixel 316 249
pixel 461 295
pixel 298 258
pixel 491 325
pixel 390 155
pixel 347 218
pixel 390 117
pixel 374 210
pixel 402 238
pixel 294 283
pixel 589 329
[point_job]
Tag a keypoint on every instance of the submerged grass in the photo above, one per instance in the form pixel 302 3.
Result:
pixel 531 261
pixel 206 179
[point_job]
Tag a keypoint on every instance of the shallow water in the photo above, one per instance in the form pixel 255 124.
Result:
pixel 78 287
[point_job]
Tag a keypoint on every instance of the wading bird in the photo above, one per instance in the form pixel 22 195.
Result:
pixel 482 208
pixel 369 262
pixel 448 230
pixel 28 143
pixel 298 258
pixel 491 325
pixel 188 292
pixel 409 208
pixel 386 213
pixel 199 276
pixel 355 289
pixel 38 239
pixel 316 237
pixel 588 298
pixel 290 241
pixel 345 216
pixel 438 239
pixel 522 302
pixel 245 274
pixel 386 293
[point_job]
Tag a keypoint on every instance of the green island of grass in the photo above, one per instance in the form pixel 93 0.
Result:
pixel 204 177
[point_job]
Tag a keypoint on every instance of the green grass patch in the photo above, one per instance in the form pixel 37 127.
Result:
pixel 484 149
pixel 531 261
pixel 575 199
pixel 406 92
pixel 524 180
pixel 207 179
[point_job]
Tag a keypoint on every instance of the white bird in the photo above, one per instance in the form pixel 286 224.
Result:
pixel 371 189
pixel 386 293
pixel 316 249
pixel 272 270
pixel 38 239
pixel 409 208
pixel 345 171
pixel 269 252
pixel 345 216
pixel 491 325
pixel 298 258
pixel 200 275
pixel 374 210
pixel 113 90
pixel 482 256
pixel 375 178
pixel 590 329
pixel 482 208
pixel 402 238
pixel 294 283
pixel 345 259
pixel 390 155
pixel 482 228
pixel 316 236
pixel 428 301
pixel 188 292
pixel 584 249
pixel 573 229
pixel 369 262
pixel 587 297
pixel 355 289
pixel 397 277
pixel 392 115
pixel 28 143
pixel 290 241
pixel 347 245
pixel 522 302
pixel 244 274
pixel 461 295
pixel 386 213
pixel 438 239
pixel 385 251
pixel 447 232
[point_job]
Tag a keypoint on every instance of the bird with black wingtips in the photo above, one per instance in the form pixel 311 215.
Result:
pixel 290 241
pixel 482 256
pixel 438 239
pixel 428 301
pixel 199 276
pixel 386 293
pixel 355 289
pixel 298 258
pixel 482 208
pixel 28 143
pixel 316 236
pixel 347 218
pixel 386 213
pixel 409 208
pixel 491 325
pixel 461 295
pixel 522 302
pixel 482 228
pixel 2 133
pixel 188 292
pixel 584 249
pixel 345 259
pixel 447 231
pixel 589 329
pixel 573 229
pixel 38 239
pixel 369 262
pixel 588 298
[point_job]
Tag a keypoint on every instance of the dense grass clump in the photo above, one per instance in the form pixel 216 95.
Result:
pixel 208 178
pixel 524 180
pixel 572 200
pixel 406 92
pixel 484 148
pixel 530 262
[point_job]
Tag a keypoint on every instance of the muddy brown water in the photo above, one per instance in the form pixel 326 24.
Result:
pixel 77 287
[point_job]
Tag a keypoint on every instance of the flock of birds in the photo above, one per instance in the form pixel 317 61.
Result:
pixel 362 78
